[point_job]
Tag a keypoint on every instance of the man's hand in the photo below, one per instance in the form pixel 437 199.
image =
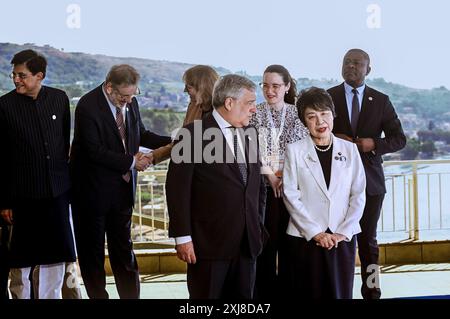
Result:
pixel 186 253
pixel 141 161
pixel 345 137
pixel 276 184
pixel 325 240
pixel 7 215
pixel 149 156
pixel 365 144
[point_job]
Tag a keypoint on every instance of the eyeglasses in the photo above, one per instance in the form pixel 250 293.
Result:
pixel 275 86
pixel 20 75
pixel 125 96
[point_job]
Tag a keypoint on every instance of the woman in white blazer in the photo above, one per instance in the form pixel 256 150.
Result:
pixel 324 192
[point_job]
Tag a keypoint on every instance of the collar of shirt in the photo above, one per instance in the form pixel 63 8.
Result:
pixel 227 132
pixel 113 107
pixel 349 97
pixel 223 124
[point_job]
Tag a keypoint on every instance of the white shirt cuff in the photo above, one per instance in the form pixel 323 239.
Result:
pixel 182 240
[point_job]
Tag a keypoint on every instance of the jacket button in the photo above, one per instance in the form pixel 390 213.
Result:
pixel 48 157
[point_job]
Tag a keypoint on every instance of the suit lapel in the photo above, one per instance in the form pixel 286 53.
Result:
pixel 107 115
pixel 231 162
pixel 366 108
pixel 338 161
pixel 312 161
pixel 129 129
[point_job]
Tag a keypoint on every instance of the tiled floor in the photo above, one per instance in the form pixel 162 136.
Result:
pixel 396 282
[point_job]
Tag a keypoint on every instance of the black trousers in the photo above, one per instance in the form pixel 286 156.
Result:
pixel 223 279
pixel 90 229
pixel 4 263
pixel 270 276
pixel 368 247
pixel 318 273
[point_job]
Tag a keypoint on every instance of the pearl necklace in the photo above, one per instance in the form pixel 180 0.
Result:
pixel 325 149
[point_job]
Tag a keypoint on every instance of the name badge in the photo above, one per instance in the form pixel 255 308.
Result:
pixel 276 163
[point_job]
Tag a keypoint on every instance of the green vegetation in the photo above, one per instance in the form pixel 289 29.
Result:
pixel 425 114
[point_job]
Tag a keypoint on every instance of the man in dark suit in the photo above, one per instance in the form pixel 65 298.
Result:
pixel 215 195
pixel 363 114
pixel 104 161
pixel 34 174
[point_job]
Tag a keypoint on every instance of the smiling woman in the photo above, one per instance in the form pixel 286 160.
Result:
pixel 278 125
pixel 325 197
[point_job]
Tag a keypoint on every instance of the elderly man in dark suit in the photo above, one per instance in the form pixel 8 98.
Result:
pixel 363 114
pixel 104 160
pixel 34 188
pixel 215 195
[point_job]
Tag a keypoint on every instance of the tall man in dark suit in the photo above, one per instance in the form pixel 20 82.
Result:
pixel 34 174
pixel 104 164
pixel 363 114
pixel 215 195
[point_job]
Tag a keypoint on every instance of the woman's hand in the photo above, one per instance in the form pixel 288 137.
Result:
pixel 325 240
pixel 339 238
pixel 276 184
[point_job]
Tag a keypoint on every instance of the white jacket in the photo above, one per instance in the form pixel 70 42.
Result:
pixel 313 207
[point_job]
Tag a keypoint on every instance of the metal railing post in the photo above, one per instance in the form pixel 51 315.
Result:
pixel 140 211
pixel 415 203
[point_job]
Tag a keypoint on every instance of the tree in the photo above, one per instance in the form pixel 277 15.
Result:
pixel 411 149
pixel 428 149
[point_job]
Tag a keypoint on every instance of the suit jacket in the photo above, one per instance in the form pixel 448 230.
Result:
pixel 377 115
pixel 210 202
pixel 98 159
pixel 35 140
pixel 313 207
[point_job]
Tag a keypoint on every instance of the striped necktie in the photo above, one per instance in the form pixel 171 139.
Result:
pixel 240 159
pixel 123 135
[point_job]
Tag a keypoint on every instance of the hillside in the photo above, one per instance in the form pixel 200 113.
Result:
pixel 66 69
pixel 70 67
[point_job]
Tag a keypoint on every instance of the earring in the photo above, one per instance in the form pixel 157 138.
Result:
pixel 286 92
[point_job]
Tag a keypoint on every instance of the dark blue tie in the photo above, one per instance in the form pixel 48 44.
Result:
pixel 355 111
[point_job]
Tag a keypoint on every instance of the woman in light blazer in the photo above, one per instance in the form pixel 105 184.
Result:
pixel 324 192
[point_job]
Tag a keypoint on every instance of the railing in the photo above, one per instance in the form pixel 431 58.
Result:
pixel 414 208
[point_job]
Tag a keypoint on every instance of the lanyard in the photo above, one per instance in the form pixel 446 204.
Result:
pixel 276 140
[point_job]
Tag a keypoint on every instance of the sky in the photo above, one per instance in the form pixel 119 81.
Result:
pixel 408 40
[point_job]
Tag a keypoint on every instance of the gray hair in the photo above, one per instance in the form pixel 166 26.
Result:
pixel 231 85
pixel 122 74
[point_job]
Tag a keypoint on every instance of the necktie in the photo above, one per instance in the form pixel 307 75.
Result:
pixel 355 111
pixel 121 126
pixel 239 156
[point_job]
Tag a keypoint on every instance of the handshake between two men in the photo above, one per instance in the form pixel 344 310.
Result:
pixel 143 161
